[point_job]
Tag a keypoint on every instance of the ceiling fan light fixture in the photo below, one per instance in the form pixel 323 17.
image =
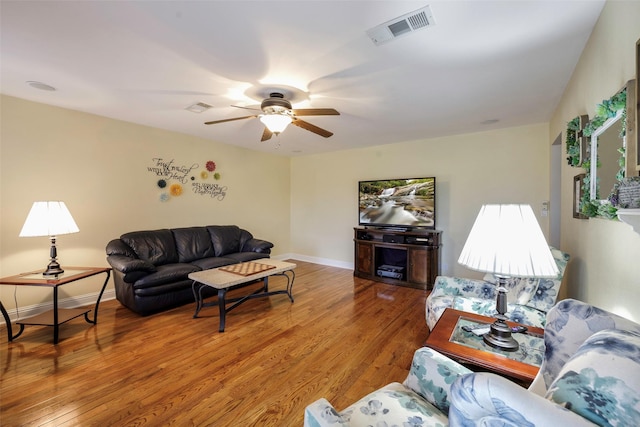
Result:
pixel 276 123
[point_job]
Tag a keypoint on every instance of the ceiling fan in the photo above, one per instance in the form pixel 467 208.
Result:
pixel 277 114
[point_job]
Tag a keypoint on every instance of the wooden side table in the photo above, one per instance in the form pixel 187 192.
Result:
pixel 56 316
pixel 448 338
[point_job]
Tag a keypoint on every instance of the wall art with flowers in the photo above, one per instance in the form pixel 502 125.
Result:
pixel 175 179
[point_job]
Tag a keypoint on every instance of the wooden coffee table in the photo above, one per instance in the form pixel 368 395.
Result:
pixel 448 338
pixel 240 275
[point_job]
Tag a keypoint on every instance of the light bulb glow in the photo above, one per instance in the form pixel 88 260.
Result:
pixel 276 123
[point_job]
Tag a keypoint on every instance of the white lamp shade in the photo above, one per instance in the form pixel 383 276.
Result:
pixel 276 123
pixel 48 219
pixel 506 240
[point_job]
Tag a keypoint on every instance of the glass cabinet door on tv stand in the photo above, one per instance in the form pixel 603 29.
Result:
pixel 407 258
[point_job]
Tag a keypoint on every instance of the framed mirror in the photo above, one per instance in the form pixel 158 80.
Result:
pixel 607 162
pixel 607 147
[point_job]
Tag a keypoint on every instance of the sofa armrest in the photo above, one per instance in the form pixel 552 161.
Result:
pixel 431 376
pixel 126 264
pixel 569 323
pixel 480 398
pixel 321 413
pixel 257 245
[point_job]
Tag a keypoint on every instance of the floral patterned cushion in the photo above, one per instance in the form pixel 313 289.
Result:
pixel 536 293
pixel 515 312
pixel 546 293
pixel 393 405
pixel 601 382
pixel 431 376
pixel 422 400
pixel 569 324
pixel 519 289
pixel 483 399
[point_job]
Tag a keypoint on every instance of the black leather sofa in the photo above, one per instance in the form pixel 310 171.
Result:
pixel 151 268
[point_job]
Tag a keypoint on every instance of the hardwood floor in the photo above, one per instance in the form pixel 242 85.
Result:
pixel 342 338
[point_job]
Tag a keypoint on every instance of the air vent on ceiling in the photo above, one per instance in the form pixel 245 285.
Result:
pixel 403 25
pixel 198 107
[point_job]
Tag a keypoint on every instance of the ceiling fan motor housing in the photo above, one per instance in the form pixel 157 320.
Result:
pixel 276 104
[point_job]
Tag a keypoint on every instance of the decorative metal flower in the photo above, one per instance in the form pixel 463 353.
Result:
pixel 164 197
pixel 216 176
pixel 204 174
pixel 175 189
pixel 162 183
pixel 211 166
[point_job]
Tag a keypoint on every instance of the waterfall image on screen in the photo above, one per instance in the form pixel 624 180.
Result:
pixel 398 202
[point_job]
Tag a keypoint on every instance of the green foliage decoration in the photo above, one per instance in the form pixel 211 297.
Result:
pixel 604 111
pixel 573 146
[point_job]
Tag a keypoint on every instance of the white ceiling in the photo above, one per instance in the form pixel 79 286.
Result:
pixel 145 61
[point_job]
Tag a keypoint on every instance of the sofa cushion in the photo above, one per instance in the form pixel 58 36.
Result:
pixel 166 274
pixel 536 292
pixel 213 262
pixel 158 246
pixel 515 312
pixel 246 256
pixel 225 239
pixel 193 243
pixel 394 404
pixel 601 381
pixel 166 289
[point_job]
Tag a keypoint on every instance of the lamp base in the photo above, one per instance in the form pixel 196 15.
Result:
pixel 500 337
pixel 53 269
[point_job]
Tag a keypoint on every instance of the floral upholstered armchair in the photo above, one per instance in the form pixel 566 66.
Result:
pixel 590 376
pixel 528 299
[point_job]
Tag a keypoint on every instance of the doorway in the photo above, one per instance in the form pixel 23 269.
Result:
pixel 555 183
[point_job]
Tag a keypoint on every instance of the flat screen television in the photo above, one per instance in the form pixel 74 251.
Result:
pixel 398 203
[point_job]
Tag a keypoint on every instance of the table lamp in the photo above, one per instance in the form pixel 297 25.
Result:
pixel 507 241
pixel 49 219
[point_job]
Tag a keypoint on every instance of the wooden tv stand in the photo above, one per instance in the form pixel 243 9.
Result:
pixel 407 258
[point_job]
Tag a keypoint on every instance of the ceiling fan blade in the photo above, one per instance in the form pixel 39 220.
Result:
pixel 315 112
pixel 266 135
pixel 312 128
pixel 229 120
pixel 246 108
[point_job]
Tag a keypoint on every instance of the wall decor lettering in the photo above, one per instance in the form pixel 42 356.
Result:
pixel 174 179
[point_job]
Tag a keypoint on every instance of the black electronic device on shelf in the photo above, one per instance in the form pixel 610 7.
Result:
pixel 393 271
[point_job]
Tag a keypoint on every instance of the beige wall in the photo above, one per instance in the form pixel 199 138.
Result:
pixel 98 167
pixel 499 166
pixel 605 267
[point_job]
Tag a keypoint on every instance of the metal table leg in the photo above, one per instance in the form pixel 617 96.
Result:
pixel 222 304
pixel 7 321
pixel 56 325
pixel 95 311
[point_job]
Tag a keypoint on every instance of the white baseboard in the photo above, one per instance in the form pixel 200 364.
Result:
pixel 72 302
pixel 316 260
